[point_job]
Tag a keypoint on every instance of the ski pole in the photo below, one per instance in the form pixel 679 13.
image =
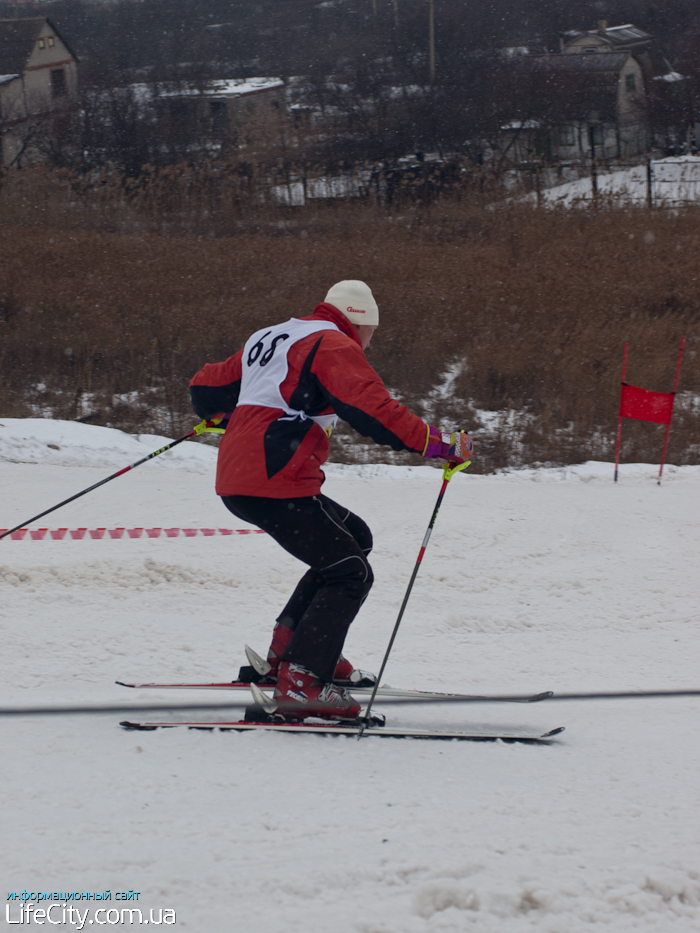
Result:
pixel 447 474
pixel 199 429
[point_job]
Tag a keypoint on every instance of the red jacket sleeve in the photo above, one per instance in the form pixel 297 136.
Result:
pixel 216 387
pixel 357 394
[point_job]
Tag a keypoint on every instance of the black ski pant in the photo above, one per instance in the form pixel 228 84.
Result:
pixel 334 543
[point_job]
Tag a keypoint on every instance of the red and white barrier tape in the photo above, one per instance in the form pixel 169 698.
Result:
pixel 77 534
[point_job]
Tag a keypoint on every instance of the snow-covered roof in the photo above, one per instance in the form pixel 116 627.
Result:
pixel 5 79
pixel 626 33
pixel 670 77
pixel 616 35
pixel 522 125
pixel 237 87
pixel 224 88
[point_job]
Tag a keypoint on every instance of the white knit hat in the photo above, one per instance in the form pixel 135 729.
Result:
pixel 355 300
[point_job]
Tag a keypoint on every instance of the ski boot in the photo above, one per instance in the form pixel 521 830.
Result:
pixel 264 672
pixel 299 693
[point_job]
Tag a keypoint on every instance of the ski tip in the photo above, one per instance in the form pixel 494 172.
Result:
pixel 541 696
pixel 136 726
pixel 553 732
pixel 122 684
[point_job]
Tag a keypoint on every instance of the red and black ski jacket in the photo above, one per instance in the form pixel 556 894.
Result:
pixel 275 451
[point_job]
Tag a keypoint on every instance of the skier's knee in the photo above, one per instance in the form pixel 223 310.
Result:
pixel 353 573
pixel 364 585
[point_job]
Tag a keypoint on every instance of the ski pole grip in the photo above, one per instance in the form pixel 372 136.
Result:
pixel 452 468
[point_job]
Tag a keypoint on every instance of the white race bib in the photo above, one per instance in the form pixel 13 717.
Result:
pixel 265 366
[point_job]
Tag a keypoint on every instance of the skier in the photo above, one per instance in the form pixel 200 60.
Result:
pixel 278 399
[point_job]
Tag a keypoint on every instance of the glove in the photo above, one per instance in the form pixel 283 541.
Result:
pixel 217 424
pixel 457 447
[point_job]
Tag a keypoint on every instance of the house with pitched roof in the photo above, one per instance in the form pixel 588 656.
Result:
pixel 584 103
pixel 627 38
pixel 590 98
pixel 38 85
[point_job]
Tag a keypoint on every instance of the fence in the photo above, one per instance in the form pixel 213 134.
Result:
pixel 673 182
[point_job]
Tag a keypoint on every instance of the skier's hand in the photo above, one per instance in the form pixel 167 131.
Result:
pixel 217 424
pixel 457 447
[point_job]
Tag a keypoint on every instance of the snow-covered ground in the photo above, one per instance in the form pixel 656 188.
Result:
pixel 675 182
pixel 547 579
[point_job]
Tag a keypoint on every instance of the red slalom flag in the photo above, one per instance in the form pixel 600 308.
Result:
pixel 645 405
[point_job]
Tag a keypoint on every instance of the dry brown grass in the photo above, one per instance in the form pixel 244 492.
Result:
pixel 535 303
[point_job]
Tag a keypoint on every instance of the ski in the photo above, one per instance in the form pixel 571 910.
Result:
pixel 385 692
pixel 351 729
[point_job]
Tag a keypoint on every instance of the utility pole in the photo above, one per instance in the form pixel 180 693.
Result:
pixel 374 8
pixel 594 173
pixel 396 14
pixel 431 39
